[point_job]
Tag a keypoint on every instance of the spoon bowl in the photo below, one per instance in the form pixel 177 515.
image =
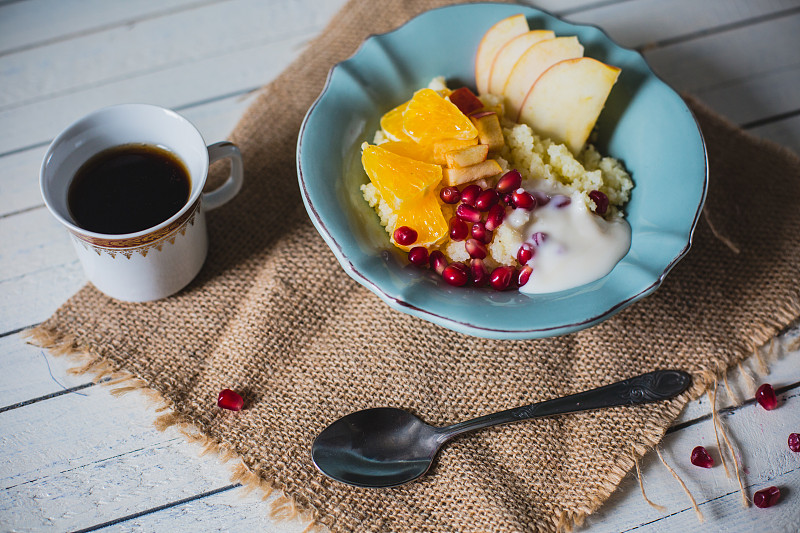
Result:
pixel 385 446
pixel 380 447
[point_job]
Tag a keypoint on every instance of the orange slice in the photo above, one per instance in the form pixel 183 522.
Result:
pixel 392 123
pixel 410 149
pixel 399 178
pixel 429 118
pixel 425 216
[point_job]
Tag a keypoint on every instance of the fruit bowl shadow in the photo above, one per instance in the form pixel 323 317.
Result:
pixel 645 124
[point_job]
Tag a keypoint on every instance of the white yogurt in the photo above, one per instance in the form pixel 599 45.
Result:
pixel 580 247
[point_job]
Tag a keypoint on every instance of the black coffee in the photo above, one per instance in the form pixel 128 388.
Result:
pixel 128 188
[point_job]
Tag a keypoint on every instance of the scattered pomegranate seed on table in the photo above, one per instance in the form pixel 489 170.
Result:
pixel 405 236
pixel 701 458
pixel 766 497
pixel 230 400
pixel 794 442
pixel 765 395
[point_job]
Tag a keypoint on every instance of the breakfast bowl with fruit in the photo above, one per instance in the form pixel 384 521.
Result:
pixel 529 179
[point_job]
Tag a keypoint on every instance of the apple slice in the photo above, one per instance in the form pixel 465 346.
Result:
pixel 465 157
pixel 459 176
pixel 530 66
pixel 508 55
pixel 566 100
pixel 494 38
pixel 441 148
pixel 489 130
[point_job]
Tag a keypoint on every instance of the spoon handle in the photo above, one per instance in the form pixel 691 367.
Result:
pixel 646 388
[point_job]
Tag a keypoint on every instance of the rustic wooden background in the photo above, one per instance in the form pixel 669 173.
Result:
pixel 74 458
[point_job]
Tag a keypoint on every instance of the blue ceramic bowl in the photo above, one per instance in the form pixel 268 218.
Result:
pixel 645 124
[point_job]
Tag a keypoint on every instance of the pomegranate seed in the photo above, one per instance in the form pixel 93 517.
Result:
pixel 766 397
pixel 500 279
pixel 600 202
pixel 524 275
pixel 470 194
pixel 794 442
pixel 523 200
pixel 701 458
pixel 480 274
pixel 539 238
pixel 418 255
pixel 479 232
pixel 508 199
pixel 560 201
pixel 766 497
pixel 487 199
pixel 230 400
pixel 468 213
pixel 405 236
pixel 458 229
pixel 495 217
pixel 456 274
pixel 525 253
pixel 475 248
pixel 541 198
pixel 509 182
pixel 437 261
pixel 450 195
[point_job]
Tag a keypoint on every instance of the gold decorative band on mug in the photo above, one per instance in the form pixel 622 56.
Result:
pixel 143 243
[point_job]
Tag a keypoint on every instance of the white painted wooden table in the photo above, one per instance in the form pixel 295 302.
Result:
pixel 72 457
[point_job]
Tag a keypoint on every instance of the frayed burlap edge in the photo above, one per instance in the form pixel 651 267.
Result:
pixel 284 507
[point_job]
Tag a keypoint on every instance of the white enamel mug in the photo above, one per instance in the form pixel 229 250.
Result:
pixel 158 261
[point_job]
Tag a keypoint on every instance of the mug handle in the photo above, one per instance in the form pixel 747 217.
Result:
pixel 223 194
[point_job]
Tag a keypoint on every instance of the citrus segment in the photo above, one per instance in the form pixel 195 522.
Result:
pixel 410 149
pixel 429 117
pixel 424 215
pixel 392 123
pixel 398 178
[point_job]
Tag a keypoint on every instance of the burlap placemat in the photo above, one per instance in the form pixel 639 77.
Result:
pixel 274 316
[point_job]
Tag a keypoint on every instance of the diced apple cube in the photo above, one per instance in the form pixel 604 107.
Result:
pixel 465 100
pixel 489 130
pixel 467 156
pixel 441 148
pixel 484 169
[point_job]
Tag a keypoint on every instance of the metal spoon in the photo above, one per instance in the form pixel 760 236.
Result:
pixel 385 446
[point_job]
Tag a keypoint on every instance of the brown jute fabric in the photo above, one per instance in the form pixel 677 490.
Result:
pixel 274 316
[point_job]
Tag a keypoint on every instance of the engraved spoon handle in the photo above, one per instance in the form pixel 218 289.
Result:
pixel 646 388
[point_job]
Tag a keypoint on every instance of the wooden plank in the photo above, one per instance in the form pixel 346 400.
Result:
pixel 31 23
pixel 172 39
pixel 785 132
pixel 741 73
pixel 644 23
